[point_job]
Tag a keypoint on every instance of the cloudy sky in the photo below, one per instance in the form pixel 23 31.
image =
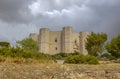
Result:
pixel 19 18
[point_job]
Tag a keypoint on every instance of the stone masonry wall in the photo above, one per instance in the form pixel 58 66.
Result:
pixel 66 40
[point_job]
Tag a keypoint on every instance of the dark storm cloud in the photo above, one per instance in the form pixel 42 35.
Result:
pixel 18 18
pixel 86 15
pixel 108 13
pixel 15 10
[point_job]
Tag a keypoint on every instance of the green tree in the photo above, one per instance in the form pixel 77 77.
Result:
pixel 113 47
pixel 28 44
pixel 95 43
pixel 4 44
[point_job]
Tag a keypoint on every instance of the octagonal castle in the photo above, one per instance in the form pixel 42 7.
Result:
pixel 66 40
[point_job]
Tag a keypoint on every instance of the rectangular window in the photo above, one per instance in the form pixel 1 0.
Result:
pixel 56 48
pixel 55 39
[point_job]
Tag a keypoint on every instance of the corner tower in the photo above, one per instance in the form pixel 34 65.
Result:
pixel 34 36
pixel 67 40
pixel 44 40
pixel 83 36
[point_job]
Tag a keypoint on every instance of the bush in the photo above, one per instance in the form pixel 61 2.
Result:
pixel 60 55
pixel 75 59
pixel 63 55
pixel 80 59
pixel 108 56
pixel 21 53
pixel 4 44
pixel 91 59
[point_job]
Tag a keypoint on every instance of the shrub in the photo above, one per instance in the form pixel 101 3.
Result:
pixel 75 59
pixel 108 56
pixel 91 59
pixel 21 53
pixel 63 55
pixel 80 59
pixel 60 55
pixel 56 56
pixel 75 53
pixel 4 44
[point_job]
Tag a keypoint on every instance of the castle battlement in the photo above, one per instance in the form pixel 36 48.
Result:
pixel 66 40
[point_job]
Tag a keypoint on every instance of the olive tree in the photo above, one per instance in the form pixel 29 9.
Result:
pixel 28 44
pixel 113 47
pixel 95 43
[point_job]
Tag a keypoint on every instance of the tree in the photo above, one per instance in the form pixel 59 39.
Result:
pixel 28 44
pixel 4 44
pixel 113 47
pixel 95 43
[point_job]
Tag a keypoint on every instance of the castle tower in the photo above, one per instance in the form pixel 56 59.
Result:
pixel 44 40
pixel 83 36
pixel 67 40
pixel 34 36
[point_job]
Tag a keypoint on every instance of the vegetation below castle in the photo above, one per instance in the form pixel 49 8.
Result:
pixel 25 51
pixel 20 55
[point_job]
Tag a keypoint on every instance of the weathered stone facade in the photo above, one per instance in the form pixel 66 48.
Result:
pixel 68 41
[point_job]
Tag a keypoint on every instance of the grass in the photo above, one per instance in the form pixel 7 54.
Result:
pixel 20 60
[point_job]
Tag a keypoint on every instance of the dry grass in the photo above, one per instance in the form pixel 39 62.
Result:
pixel 48 71
pixel 19 60
pixel 20 68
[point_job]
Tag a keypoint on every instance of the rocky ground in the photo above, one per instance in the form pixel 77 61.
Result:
pixel 59 71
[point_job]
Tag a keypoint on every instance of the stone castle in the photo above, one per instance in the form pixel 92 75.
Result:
pixel 66 40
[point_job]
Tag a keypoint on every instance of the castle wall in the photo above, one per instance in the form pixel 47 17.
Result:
pixel 52 42
pixel 34 36
pixel 55 42
pixel 76 42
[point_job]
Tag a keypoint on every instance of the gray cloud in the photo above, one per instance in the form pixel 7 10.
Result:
pixel 88 15
pixel 15 11
pixel 18 18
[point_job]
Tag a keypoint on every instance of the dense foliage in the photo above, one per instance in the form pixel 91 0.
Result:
pixel 113 47
pixel 63 55
pixel 26 48
pixel 28 44
pixel 80 59
pixel 95 43
pixel 4 44
pixel 108 56
pixel 21 53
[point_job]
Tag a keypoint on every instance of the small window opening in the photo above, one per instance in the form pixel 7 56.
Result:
pixel 56 48
pixel 55 39
pixel 75 41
